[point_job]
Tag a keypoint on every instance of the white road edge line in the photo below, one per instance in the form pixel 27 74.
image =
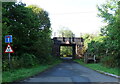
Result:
pixel 108 74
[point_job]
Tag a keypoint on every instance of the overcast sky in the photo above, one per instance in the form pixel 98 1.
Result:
pixel 80 16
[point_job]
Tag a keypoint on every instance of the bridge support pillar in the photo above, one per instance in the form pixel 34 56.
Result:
pixel 74 51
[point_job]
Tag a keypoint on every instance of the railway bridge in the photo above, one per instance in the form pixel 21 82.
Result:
pixel 74 42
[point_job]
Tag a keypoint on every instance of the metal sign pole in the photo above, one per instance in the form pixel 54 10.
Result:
pixel 10 65
pixel 9 60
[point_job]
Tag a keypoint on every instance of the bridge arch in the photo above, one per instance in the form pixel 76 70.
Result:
pixel 74 42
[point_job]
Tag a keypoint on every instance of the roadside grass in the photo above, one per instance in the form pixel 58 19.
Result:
pixel 16 75
pixel 100 67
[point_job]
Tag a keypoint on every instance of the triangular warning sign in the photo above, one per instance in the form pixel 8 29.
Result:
pixel 9 49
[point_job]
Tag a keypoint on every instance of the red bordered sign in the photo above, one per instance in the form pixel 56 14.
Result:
pixel 9 49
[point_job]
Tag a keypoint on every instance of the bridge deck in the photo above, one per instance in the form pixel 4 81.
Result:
pixel 71 40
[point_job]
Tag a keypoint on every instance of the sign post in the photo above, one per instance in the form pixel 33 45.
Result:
pixel 9 60
pixel 8 39
pixel 9 50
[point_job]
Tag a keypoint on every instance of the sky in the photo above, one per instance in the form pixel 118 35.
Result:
pixel 80 16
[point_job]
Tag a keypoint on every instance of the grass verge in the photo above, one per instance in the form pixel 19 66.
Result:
pixel 100 67
pixel 16 75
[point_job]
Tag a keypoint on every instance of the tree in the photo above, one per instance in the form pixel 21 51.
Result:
pixel 66 50
pixel 22 20
pixel 111 14
pixel 106 46
pixel 65 32
pixel 30 27
pixel 87 39
pixel 43 45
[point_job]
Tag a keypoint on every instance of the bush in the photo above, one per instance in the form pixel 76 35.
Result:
pixel 14 64
pixel 108 61
pixel 28 60
pixel 5 65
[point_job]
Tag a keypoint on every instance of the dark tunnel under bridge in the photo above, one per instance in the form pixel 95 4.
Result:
pixel 74 42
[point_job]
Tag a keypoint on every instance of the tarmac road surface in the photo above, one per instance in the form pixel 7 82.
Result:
pixel 71 72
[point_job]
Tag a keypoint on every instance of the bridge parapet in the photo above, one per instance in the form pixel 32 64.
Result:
pixel 70 40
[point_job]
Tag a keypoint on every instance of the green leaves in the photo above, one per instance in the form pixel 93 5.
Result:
pixel 30 27
pixel 107 10
pixel 107 44
pixel 65 32
pixel 66 50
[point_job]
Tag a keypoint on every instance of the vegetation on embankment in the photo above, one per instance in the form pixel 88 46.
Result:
pixel 100 67
pixel 20 74
pixel 106 46
pixel 30 28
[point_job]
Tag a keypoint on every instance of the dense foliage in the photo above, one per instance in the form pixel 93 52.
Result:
pixel 107 45
pixel 66 50
pixel 30 28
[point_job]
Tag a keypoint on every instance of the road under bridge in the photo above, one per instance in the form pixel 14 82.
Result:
pixel 74 42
